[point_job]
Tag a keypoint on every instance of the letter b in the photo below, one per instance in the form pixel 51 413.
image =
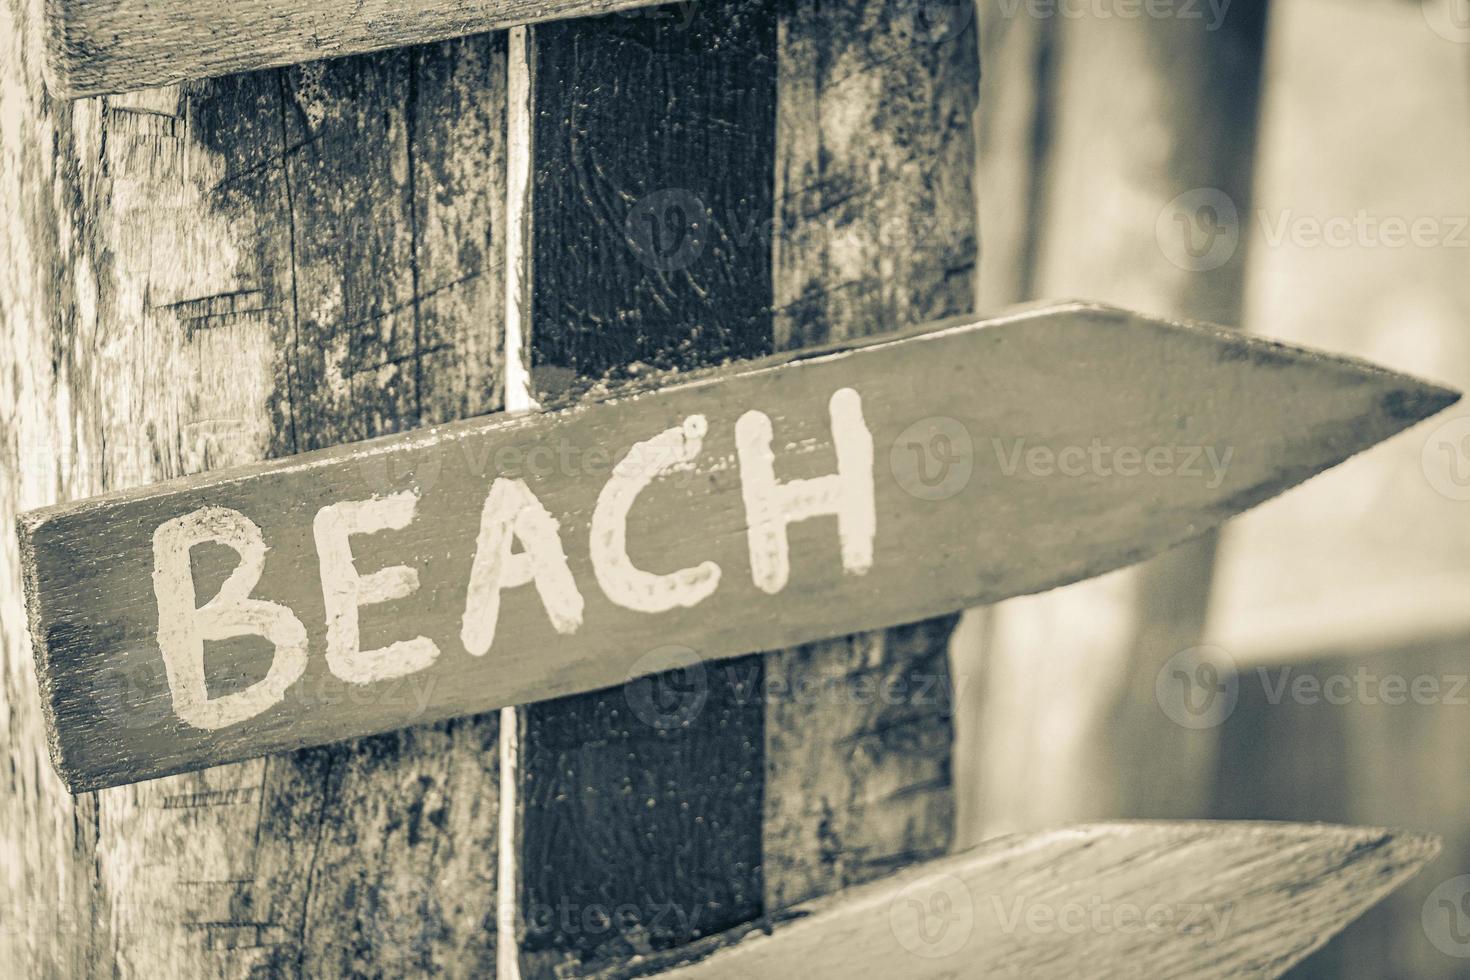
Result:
pixel 183 627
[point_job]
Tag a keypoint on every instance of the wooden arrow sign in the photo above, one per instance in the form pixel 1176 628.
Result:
pixel 510 559
pixel 1199 900
pixel 123 45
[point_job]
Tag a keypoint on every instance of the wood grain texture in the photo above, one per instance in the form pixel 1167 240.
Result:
pixel 640 804
pixel 1209 901
pixel 1271 416
pixel 874 229
pixel 122 46
pixel 53 919
pixel 169 239
pixel 1148 126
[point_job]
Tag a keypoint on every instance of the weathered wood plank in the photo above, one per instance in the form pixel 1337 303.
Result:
pixel 97 49
pixel 640 805
pixel 874 229
pixel 171 348
pixel 56 916
pixel 1209 901
pixel 1104 477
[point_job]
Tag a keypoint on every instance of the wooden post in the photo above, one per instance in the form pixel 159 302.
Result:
pixel 249 267
pixel 1144 133
pixel 875 230
pixel 47 926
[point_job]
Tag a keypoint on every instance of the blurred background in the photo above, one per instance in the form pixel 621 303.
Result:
pixel 1302 170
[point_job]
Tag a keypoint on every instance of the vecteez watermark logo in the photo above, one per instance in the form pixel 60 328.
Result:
pixel 401 912
pixel 1450 19
pixel 672 228
pixel 1201 229
pixel 1211 12
pixel 933 21
pixel 1362 685
pixel 1445 459
pixel 1022 916
pixel 668 687
pixel 132 692
pixel 1363 229
pixel 935 458
pixel 424 466
pixel 1198 687
pixel 1105 459
pixel 933 917
pixel 667 229
pixel 633 922
pixel 680 14
pixel 1445 917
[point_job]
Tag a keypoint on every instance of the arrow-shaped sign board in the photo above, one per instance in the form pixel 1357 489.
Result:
pixel 510 559
pixel 123 45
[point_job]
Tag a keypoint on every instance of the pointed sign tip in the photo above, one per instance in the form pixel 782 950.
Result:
pixel 1413 400
pixel 1409 399
pixel 1386 855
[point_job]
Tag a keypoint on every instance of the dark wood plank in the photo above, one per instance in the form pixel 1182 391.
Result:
pixel 96 49
pixel 876 230
pixel 1194 900
pixel 1101 478
pixel 641 805
pixel 168 346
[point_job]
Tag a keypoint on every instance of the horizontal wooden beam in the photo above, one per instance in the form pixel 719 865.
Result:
pixel 673 522
pixel 1188 900
pixel 101 48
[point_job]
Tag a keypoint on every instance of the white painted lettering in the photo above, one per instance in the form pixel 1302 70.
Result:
pixel 625 584
pixel 771 506
pixel 183 628
pixel 511 510
pixel 344 590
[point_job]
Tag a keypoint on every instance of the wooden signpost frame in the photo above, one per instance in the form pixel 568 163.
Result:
pixel 277 262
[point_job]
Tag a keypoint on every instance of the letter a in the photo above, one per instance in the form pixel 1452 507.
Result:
pixel 512 510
